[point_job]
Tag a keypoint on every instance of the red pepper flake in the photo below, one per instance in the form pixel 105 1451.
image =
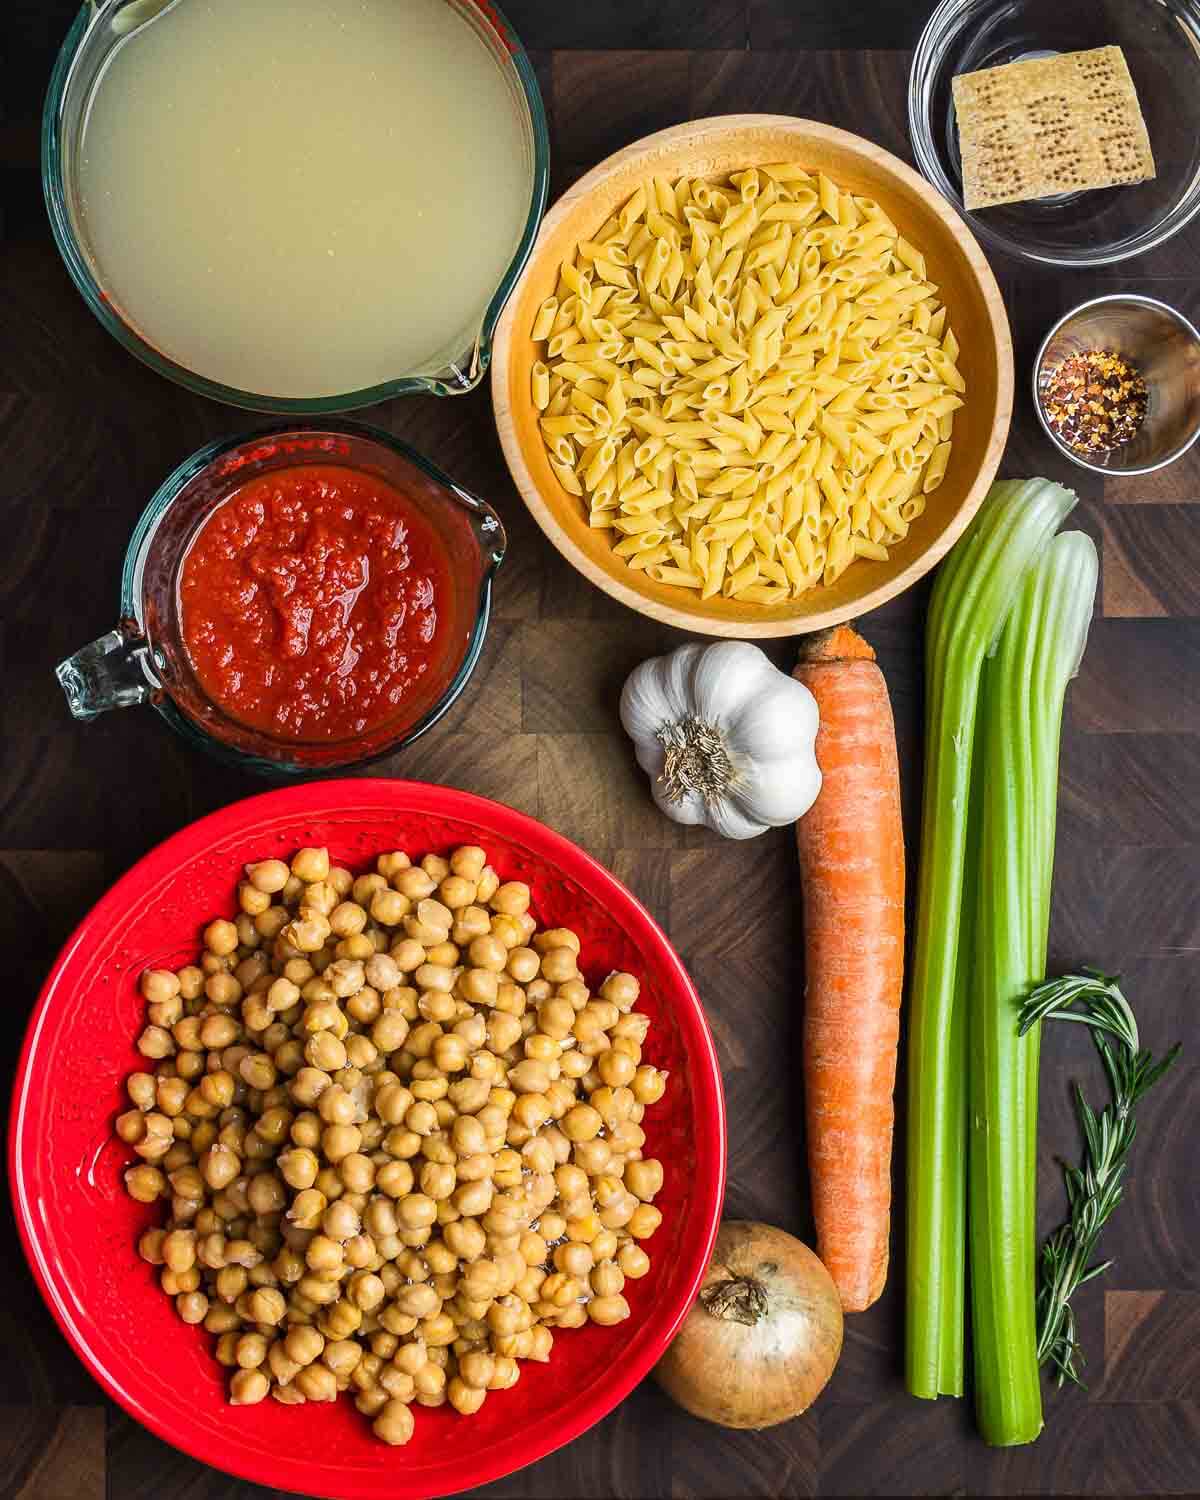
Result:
pixel 1094 401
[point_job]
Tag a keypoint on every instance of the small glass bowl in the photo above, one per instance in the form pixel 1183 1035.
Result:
pixel 145 659
pixel 97 31
pixel 1161 43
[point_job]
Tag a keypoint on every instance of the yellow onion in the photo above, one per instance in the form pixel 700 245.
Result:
pixel 764 1335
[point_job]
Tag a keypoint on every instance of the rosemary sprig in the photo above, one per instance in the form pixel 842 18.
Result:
pixel 1095 1187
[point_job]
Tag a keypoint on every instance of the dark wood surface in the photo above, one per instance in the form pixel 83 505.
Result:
pixel 88 433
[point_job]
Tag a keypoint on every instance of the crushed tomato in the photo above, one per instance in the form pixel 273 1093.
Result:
pixel 316 602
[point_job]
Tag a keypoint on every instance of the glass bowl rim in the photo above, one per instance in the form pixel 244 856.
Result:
pixel 165 495
pixel 53 191
pixel 929 161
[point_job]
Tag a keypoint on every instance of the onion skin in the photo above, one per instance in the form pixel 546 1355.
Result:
pixel 762 1338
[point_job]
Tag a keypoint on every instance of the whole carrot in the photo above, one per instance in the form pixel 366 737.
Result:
pixel 852 868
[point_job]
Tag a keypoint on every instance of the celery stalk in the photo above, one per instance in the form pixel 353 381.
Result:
pixel 1019 727
pixel 974 592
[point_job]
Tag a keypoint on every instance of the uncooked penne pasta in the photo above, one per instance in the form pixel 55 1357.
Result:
pixel 749 382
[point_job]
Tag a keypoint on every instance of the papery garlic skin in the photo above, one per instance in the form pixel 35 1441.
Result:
pixel 725 737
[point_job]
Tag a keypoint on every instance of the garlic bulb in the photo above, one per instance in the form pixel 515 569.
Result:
pixel 725 736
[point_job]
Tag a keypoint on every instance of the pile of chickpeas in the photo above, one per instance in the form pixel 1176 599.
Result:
pixel 400 1138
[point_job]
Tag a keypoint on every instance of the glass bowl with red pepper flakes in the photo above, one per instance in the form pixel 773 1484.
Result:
pixel 1116 384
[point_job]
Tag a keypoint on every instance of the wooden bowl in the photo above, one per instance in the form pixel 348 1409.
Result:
pixel 955 263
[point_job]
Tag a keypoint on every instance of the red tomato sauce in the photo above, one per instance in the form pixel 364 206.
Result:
pixel 316 601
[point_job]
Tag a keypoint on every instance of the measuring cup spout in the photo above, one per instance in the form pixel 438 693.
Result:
pixel 113 672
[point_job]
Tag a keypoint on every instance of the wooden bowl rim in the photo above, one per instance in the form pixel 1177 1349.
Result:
pixel 695 132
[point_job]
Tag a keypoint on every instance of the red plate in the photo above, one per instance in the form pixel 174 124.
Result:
pixel 79 1228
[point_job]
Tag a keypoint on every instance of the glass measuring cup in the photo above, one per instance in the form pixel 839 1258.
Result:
pixel 145 659
pixel 89 48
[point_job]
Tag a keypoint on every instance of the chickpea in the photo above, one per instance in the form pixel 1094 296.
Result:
pixel 480 985
pixel 644 1221
pixel 574 1260
pixel 357 1172
pixel 584 1228
pixel 324 1053
pixel 465 1398
pixel 131 1126
pixel 421 1118
pixel 141 1089
pixel 510 999
pixel 340 1320
pixel 342 1356
pixel 425 934
pixel 438 1331
pixel 269 876
pixel 219 1088
pixel 248 1387
pixel 559 965
pixel 608 1310
pixel 530 1077
pixel 150 1246
pixel 267 1305
pixel 250 1351
pixel 594 1156
pixel 303 1345
pixel 470 922
pixel 468 862
pixel 340 1222
pixel 556 1017
pixel 257 1070
pixel 221 937
pixel 357 948
pixel 450 1053
pixel 270 923
pixel 186 1182
pixel 346 976
pixel 582 1123
pixel 394 1423
pixel 438 1180
pixel 282 1367
pixel 156 1042
pixel 310 865
pixel 402 1143
pixel 503 1031
pixel 316 1382
pixel 607 1279
pixel 626 1139
pixel 252 901
pixel 307 1207
pixel 366 1290
pixel 507 931
pixel 616 1068
pixel 159 985
pixel 644 1178
pixel 510 899
pixel 266 1194
pixel 340 1141
pixel 487 952
pixel 417 1211
pixel 457 891
pixel 395 1178
pixel 649 1085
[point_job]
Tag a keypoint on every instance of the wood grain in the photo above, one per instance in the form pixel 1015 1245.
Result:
pixel 88 433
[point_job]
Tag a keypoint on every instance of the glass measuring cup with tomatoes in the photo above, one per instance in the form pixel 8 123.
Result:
pixel 298 600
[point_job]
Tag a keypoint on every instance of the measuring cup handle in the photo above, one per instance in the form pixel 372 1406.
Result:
pixel 113 672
